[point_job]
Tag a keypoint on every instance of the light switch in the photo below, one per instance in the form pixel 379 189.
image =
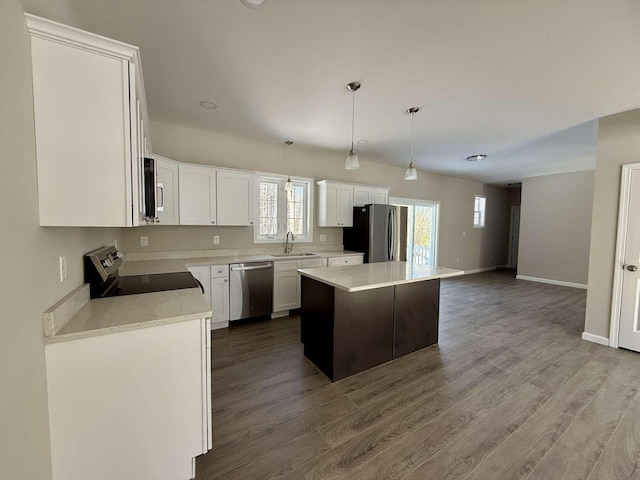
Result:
pixel 144 241
pixel 323 238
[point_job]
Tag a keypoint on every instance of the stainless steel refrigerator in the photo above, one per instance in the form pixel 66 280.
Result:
pixel 380 231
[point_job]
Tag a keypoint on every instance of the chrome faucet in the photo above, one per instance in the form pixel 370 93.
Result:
pixel 288 248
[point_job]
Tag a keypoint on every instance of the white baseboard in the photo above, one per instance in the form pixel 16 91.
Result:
pixel 590 337
pixel 485 269
pixel 551 282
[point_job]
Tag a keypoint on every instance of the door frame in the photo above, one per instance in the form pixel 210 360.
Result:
pixel 621 245
pixel 509 259
pixel 416 202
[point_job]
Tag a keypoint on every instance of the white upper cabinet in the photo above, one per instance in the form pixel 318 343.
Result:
pixel 197 193
pixel 168 206
pixel 213 196
pixel 235 197
pixel 364 195
pixel 90 124
pixel 335 204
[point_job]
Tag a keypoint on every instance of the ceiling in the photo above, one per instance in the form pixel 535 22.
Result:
pixel 521 81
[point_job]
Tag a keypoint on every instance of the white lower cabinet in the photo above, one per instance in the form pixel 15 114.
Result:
pixel 130 405
pixel 219 296
pixel 215 281
pixel 286 285
pixel 345 260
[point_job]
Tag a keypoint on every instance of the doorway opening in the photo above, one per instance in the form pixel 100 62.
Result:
pixel 422 230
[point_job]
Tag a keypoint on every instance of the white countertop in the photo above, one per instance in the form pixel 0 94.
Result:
pixel 355 278
pixel 171 265
pixel 80 317
pixel 130 312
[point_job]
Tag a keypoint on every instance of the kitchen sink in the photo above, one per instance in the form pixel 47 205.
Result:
pixel 277 255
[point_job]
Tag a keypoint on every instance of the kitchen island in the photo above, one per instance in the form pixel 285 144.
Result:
pixel 359 316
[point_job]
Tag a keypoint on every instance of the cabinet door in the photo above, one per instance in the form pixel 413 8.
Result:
pixel 83 142
pixel 286 291
pixel 332 202
pixel 220 299
pixel 197 193
pixel 203 275
pixel 167 178
pixel 380 195
pixel 345 213
pixel 234 198
pixel 361 196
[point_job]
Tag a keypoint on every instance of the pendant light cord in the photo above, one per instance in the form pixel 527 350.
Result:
pixel 412 114
pixel 353 116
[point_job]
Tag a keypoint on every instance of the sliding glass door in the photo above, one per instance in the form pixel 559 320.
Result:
pixel 422 226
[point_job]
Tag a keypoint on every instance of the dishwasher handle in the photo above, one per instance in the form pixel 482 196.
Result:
pixel 256 267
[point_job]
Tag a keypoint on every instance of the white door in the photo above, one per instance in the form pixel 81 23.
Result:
pixel 234 198
pixel 203 275
pixel 629 336
pixel 286 291
pixel 197 192
pixel 514 237
pixel 332 205
pixel 167 178
pixel 422 230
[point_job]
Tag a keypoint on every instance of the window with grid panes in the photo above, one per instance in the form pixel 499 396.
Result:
pixel 280 211
pixel 479 208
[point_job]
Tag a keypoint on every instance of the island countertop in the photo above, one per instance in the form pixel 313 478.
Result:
pixel 356 278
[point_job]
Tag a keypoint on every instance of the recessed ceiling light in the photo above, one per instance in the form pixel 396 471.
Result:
pixel 362 142
pixel 476 158
pixel 254 3
pixel 208 105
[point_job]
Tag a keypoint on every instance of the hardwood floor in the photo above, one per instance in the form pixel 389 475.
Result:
pixel 510 392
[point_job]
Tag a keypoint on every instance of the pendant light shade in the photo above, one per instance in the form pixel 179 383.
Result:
pixel 411 173
pixel 352 162
pixel 288 187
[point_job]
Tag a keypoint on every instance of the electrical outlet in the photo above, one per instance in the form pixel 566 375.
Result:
pixel 216 239
pixel 464 233
pixel 115 244
pixel 323 238
pixel 64 273
pixel 457 259
pixel 144 241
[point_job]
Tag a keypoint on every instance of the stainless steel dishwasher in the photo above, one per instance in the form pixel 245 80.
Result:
pixel 250 290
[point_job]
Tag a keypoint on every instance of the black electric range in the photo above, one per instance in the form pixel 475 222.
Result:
pixel 101 272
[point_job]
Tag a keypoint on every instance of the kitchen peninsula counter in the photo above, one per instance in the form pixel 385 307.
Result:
pixel 359 316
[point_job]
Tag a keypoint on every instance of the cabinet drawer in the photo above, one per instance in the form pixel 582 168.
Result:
pixel 218 271
pixel 314 263
pixel 347 260
pixel 287 265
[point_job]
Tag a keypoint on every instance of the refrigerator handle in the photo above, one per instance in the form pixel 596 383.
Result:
pixel 393 233
pixel 389 235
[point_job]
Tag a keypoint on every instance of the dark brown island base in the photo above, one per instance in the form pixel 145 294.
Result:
pixel 356 317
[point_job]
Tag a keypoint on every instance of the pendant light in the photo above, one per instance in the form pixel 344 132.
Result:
pixel 289 185
pixel 411 173
pixel 352 162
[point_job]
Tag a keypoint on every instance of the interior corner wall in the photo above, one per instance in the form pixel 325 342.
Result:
pixel 30 267
pixel 555 227
pixel 618 144
pixel 460 245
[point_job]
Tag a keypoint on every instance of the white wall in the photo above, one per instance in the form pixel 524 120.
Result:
pixel 479 248
pixel 618 144
pixel 29 283
pixel 555 226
